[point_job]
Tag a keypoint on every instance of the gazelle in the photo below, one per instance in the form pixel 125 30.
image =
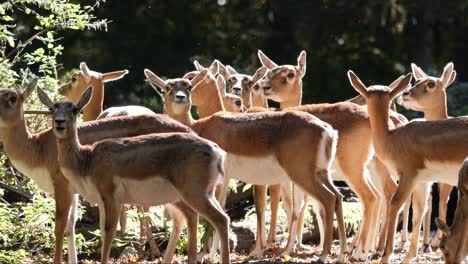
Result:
pixel 83 79
pixel 34 155
pixel 268 148
pixel 147 170
pixel 454 242
pixel 429 96
pixel 125 111
pixel 208 102
pixel 237 83
pixel 418 153
pixel 354 150
pixel 232 103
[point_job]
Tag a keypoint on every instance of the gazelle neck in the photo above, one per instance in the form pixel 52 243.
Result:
pixel 69 149
pixel 439 111
pixel 294 98
pixel 259 101
pixel 184 118
pixel 212 102
pixel 378 116
pixel 19 143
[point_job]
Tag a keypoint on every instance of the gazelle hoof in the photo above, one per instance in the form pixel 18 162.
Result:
pixel 426 248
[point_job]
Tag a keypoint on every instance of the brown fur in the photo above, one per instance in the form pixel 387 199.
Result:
pixel 81 80
pixel 286 135
pixel 407 148
pixel 194 175
pixel 454 243
pixel 39 150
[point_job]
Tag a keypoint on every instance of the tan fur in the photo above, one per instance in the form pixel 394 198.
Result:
pixel 38 151
pixel 410 149
pixel 81 80
pixel 354 145
pixel 454 243
pixel 270 134
pixel 187 166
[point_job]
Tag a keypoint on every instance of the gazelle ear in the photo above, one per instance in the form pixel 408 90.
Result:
pixel 401 86
pixel 357 84
pixel 29 89
pixel 443 227
pixel 44 98
pixel 85 98
pixel 418 73
pixel 197 79
pixel 221 85
pixel 155 80
pixel 259 74
pixel 214 67
pixel 447 74
pixel 198 66
pixel 452 79
pixel 396 82
pixel 113 76
pixel 301 63
pixel 223 71
pixel 85 70
pixel 266 61
pixel 231 70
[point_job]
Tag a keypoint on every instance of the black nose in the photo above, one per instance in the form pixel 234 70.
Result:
pixel 59 121
pixel 236 88
pixel 180 96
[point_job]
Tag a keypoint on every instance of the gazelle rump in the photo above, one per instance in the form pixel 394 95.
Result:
pixel 268 148
pixel 428 95
pixel 283 84
pixel 145 170
pixel 81 80
pixel 418 152
pixel 454 241
pixel 35 155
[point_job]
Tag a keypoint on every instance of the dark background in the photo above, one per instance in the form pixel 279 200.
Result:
pixel 377 39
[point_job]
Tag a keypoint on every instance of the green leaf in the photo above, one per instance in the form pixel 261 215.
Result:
pixel 7 18
pixel 246 187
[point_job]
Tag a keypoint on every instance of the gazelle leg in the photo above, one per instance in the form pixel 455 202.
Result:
pixel 300 223
pixel 444 195
pixel 275 191
pixel 145 229
pixel 298 203
pixel 62 213
pixel 405 187
pixel 177 226
pixel 404 226
pixel 427 226
pixel 259 193
pixel 123 218
pixel 109 210
pixel 72 255
pixel 420 195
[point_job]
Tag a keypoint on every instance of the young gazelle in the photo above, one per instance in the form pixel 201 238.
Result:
pixel 417 152
pixel 237 83
pixel 454 242
pixel 284 84
pixel 429 96
pixel 35 155
pixel 268 148
pixel 83 79
pixel 146 170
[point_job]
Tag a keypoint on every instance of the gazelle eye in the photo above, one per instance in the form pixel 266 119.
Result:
pixel 431 85
pixel 13 99
pixel 56 105
pixel 238 103
pixel 290 75
pixel 256 87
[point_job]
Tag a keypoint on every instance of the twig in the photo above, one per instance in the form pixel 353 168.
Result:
pixel 23 45
pixel 37 112
pixel 15 190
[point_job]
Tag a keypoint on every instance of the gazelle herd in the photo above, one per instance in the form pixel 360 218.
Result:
pixel 130 155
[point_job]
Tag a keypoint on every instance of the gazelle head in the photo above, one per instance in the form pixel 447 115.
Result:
pixel 449 242
pixel 285 81
pixel 428 92
pixel 85 77
pixel 199 96
pixel 232 103
pixel 378 95
pixel 65 113
pixel 11 104
pixel 237 83
pixel 177 92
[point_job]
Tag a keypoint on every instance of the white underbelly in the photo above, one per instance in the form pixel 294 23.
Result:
pixel 40 176
pixel 255 170
pixel 440 172
pixel 148 192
